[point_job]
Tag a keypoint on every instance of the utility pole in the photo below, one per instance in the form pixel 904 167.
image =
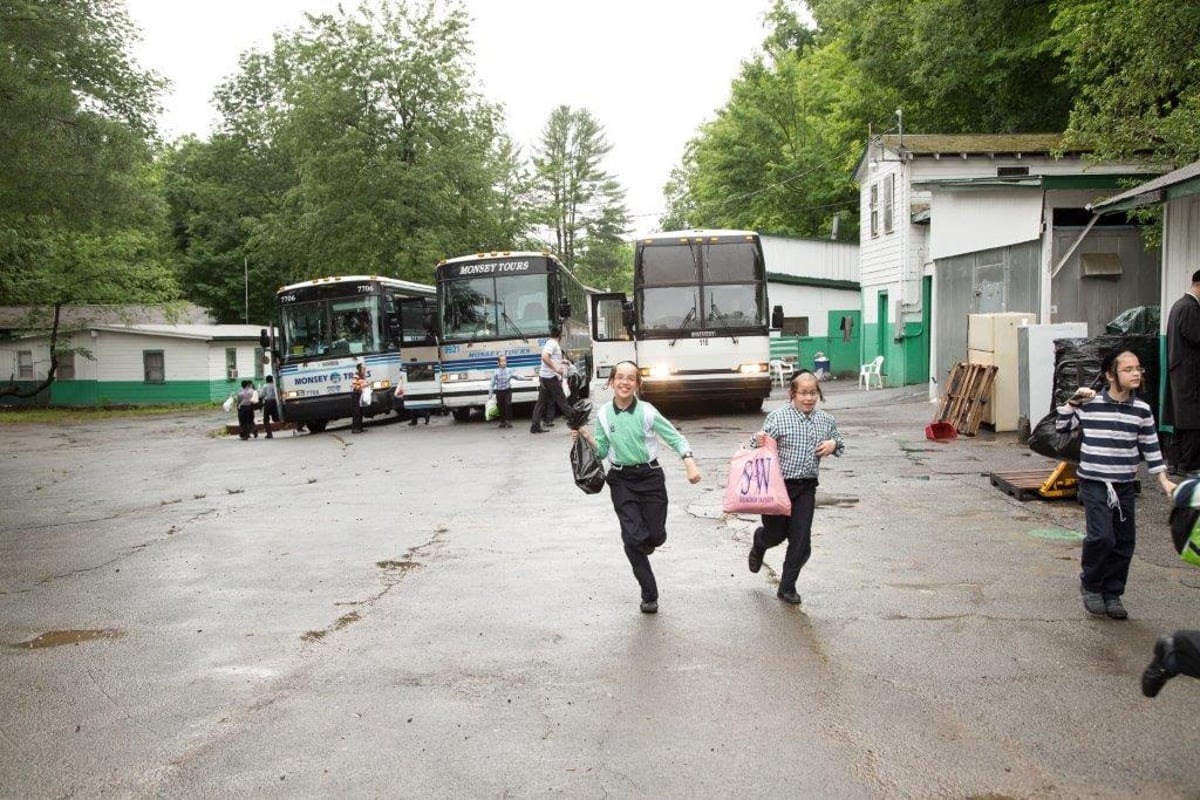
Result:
pixel 246 281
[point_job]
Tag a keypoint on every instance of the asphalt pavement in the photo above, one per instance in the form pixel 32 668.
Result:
pixel 437 611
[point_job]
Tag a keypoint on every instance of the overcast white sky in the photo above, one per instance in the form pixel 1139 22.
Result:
pixel 651 71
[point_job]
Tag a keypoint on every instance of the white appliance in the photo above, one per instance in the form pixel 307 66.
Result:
pixel 1035 366
pixel 992 339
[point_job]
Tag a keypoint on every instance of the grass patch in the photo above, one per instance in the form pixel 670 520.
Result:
pixel 65 416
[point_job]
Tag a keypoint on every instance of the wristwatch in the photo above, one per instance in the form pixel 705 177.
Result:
pixel 688 454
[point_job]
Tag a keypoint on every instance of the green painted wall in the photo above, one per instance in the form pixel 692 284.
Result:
pixel 843 356
pixel 96 393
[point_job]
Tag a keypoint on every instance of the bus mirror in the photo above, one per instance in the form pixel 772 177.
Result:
pixel 394 327
pixel 628 316
pixel 431 323
pixel 777 317
pixel 264 341
pixel 564 308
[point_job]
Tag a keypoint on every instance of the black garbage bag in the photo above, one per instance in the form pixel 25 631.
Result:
pixel 579 413
pixel 1136 320
pixel 1059 445
pixel 587 466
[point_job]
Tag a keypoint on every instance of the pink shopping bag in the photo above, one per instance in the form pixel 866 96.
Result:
pixel 755 484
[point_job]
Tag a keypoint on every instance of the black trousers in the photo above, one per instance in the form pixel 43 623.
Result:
pixel 639 496
pixel 270 411
pixel 550 392
pixel 245 421
pixel 796 528
pixel 504 401
pixel 356 419
pixel 1186 444
pixel 1108 545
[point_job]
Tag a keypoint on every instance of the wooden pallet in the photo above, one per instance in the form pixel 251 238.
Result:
pixel 968 388
pixel 1059 483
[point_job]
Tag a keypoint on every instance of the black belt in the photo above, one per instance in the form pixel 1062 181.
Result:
pixel 653 464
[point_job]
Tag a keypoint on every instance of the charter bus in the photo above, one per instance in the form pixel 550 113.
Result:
pixel 328 325
pixel 697 324
pixel 504 304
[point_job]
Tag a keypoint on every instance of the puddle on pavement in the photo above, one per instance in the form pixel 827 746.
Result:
pixel 60 638
pixel 1056 534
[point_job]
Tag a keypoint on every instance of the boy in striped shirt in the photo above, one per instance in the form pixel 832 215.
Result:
pixel 1118 433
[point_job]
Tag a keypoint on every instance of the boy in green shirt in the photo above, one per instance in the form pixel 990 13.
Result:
pixel 625 432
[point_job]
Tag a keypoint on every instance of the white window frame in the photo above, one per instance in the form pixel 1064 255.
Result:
pixel 24 365
pixel 874 209
pixel 889 202
pixel 147 357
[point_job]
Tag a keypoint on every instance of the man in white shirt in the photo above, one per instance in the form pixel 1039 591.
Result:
pixel 550 374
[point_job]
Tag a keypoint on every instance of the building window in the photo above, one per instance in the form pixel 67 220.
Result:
pixel 874 209
pixel 258 364
pixel 24 364
pixel 889 195
pixel 153 366
pixel 66 366
pixel 231 364
pixel 795 326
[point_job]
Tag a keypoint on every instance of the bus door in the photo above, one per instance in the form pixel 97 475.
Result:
pixel 420 354
pixel 612 332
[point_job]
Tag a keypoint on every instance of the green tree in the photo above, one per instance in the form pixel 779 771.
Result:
pixel 355 145
pixel 1135 65
pixel 80 217
pixel 580 201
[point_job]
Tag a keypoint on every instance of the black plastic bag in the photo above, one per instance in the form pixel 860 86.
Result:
pixel 1059 445
pixel 587 466
pixel 579 413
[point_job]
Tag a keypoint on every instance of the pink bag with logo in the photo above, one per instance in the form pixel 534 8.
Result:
pixel 755 484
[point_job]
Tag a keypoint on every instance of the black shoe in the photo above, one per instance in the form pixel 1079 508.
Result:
pixel 1093 603
pixel 538 430
pixel 427 420
pixel 756 557
pixel 548 424
pixel 1156 673
pixel 649 606
pixel 645 548
pixel 270 436
pixel 788 597
pixel 412 421
pixel 1114 609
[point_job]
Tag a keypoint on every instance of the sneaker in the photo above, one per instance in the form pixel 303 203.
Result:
pixel 1156 673
pixel 1093 603
pixel 755 560
pixel 649 606
pixel 1114 609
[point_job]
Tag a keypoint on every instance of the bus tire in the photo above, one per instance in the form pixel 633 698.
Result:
pixel 461 414
pixel 753 405
pixel 316 425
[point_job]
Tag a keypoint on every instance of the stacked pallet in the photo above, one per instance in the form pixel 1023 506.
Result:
pixel 965 395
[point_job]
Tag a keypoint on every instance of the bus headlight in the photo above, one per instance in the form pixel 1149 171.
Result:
pixel 453 377
pixel 377 385
pixel 656 371
pixel 750 369
pixel 292 395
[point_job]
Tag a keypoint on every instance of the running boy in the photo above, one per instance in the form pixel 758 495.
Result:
pixel 501 388
pixel 625 433
pixel 805 434
pixel 1118 433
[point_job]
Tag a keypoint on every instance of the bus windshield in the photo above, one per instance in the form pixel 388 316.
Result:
pixel 708 286
pixel 334 327
pixel 495 307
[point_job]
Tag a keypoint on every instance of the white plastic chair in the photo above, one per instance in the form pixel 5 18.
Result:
pixel 871 368
pixel 781 371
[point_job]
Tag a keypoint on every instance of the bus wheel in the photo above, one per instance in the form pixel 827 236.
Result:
pixel 461 414
pixel 316 425
pixel 753 405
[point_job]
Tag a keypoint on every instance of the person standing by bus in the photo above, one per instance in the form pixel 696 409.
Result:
pixel 270 404
pixel 245 408
pixel 356 389
pixel 625 431
pixel 501 388
pixel 550 373
pixel 1181 408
